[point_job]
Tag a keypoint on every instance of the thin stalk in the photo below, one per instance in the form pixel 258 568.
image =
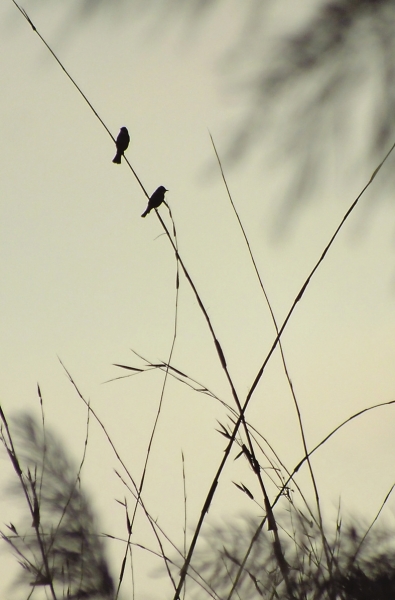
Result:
pixel 285 367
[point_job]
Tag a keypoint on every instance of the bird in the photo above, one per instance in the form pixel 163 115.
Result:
pixel 156 199
pixel 122 143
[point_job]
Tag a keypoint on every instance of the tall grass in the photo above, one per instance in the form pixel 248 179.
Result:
pixel 300 556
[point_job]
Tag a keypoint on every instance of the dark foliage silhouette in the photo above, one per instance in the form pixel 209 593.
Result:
pixel 73 549
pixel 361 568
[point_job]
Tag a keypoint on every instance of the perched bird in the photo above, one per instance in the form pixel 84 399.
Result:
pixel 156 199
pixel 122 143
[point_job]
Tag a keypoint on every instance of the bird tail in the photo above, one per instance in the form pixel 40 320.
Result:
pixel 117 159
pixel 145 213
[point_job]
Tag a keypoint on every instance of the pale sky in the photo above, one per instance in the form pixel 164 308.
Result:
pixel 85 279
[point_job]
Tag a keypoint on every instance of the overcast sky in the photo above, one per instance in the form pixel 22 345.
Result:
pixel 85 279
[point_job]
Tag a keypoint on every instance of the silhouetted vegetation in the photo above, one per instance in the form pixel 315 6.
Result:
pixel 290 555
pixel 66 540
pixel 360 566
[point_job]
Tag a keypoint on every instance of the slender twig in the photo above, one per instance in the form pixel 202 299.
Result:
pixel 159 409
pixel 262 368
pixel 100 422
pixel 371 524
pixel 191 382
pixel 241 420
pixel 197 578
pixel 24 13
pixel 44 441
pixel 300 463
pixel 153 524
pixel 185 510
pixel 135 490
pixel 285 367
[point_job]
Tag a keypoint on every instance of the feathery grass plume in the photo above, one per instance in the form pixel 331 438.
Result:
pixel 363 567
pixel 73 549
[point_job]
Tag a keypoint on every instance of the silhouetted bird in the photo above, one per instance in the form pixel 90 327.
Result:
pixel 156 199
pixel 122 143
